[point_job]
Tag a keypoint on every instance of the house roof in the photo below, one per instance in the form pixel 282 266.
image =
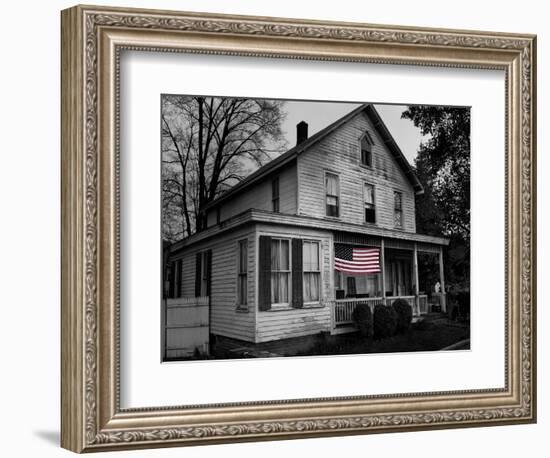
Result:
pixel 292 153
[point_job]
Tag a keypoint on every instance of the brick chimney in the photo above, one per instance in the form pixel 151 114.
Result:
pixel 301 132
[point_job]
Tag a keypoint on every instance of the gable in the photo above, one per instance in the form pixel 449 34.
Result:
pixel 339 153
pixel 341 149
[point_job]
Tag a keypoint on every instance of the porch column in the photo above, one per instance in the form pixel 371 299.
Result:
pixel 442 281
pixel 416 286
pixel 383 269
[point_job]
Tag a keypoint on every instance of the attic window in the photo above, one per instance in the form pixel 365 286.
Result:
pixel 366 149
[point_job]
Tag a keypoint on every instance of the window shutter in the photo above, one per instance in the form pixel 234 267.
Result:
pixel 198 269
pixel 264 274
pixel 172 280
pixel 297 274
pixel 208 272
pixel 179 274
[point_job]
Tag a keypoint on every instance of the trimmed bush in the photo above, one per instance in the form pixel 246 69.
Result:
pixel 404 315
pixel 384 322
pixel 463 298
pixel 363 318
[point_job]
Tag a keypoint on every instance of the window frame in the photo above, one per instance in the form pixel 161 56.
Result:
pixel 319 271
pixel 399 210
pixel 365 184
pixel 370 143
pixel 327 195
pixel 283 305
pixel 240 273
pixel 204 273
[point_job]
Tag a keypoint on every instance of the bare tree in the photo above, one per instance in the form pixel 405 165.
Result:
pixel 208 145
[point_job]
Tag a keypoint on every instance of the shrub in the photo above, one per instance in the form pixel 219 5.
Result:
pixel 384 321
pixel 463 298
pixel 404 315
pixel 363 318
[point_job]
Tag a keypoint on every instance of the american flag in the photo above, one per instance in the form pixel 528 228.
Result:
pixel 358 261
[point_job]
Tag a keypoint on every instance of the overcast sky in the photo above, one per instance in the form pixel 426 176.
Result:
pixel 320 114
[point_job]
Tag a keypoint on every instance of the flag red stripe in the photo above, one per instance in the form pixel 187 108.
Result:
pixel 356 263
pixel 357 267
pixel 358 272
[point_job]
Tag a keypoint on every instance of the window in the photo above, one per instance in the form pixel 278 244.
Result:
pixel 332 187
pixel 368 200
pixel 398 209
pixel 366 149
pixel 204 273
pixel 242 269
pixel 280 271
pixel 171 276
pixel 275 195
pixel 311 271
pixel 178 279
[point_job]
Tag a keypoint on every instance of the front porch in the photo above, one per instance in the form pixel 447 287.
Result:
pixel 397 277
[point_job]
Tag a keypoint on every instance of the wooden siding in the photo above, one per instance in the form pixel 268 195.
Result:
pixel 294 322
pixel 226 318
pixel 258 196
pixel 340 153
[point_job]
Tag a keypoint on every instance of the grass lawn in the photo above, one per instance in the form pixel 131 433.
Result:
pixel 420 337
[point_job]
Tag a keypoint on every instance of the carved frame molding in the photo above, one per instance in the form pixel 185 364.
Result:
pixel 92 39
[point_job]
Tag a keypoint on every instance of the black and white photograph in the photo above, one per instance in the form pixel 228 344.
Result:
pixel 311 228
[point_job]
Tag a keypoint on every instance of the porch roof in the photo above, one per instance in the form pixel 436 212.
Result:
pixel 267 217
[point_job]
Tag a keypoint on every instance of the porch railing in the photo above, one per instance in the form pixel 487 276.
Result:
pixel 344 308
pixel 423 305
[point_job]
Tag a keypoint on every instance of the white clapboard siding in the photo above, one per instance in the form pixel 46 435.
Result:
pixel 296 322
pixel 275 325
pixel 339 152
pixel 259 196
pixel 226 320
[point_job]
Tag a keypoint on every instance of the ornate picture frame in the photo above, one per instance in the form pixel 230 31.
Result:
pixel 92 40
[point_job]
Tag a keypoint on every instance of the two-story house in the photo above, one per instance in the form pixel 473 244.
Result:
pixel 293 248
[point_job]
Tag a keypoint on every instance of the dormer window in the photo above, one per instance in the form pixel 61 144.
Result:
pixel 366 149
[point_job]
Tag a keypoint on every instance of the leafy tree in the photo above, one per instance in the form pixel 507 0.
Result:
pixel 443 167
pixel 208 145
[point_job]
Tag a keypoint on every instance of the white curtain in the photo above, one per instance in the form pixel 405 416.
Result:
pixel 280 271
pixel 311 270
